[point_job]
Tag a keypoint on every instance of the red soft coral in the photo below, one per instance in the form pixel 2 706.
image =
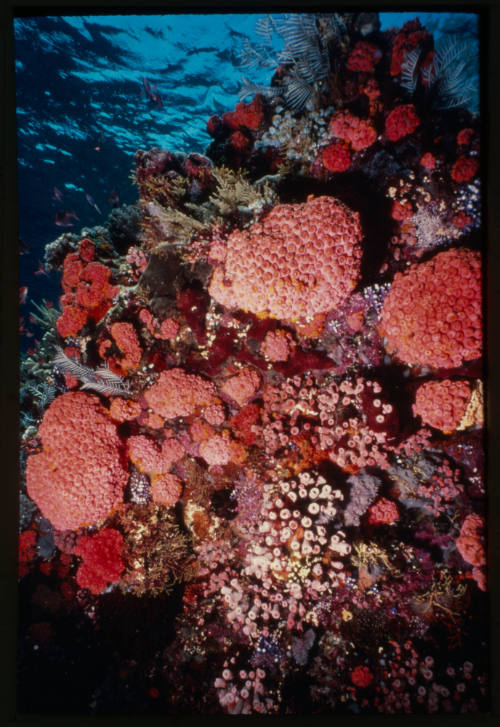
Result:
pixel 102 559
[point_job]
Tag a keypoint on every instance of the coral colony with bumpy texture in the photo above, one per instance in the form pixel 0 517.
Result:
pixel 252 447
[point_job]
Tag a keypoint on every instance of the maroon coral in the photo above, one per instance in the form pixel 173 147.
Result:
pixel 411 36
pixel 272 267
pixel 249 116
pixel 78 477
pixel 88 293
pixel 432 314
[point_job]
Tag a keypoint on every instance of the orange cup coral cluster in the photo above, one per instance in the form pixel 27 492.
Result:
pixel 88 293
pixel 359 133
pixel 272 268
pixel 432 315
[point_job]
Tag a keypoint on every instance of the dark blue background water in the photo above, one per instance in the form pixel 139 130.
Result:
pixel 78 85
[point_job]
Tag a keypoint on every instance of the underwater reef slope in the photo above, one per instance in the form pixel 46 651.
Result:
pixel 252 433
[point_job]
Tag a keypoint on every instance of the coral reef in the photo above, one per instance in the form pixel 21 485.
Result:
pixel 273 500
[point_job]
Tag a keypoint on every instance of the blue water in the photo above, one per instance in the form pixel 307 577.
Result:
pixel 81 113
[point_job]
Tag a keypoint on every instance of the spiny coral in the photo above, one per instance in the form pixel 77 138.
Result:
pixel 156 551
pixel 271 268
pixel 78 477
pixel 432 314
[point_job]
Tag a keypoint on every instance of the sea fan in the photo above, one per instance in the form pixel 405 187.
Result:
pixel 452 76
pixel 297 92
pixel 409 70
pixel 252 56
pixel 450 79
pixel 305 52
pixel 250 89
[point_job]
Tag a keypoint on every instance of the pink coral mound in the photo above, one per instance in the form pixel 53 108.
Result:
pixel 470 543
pixel 178 394
pixel 243 386
pixel 432 314
pixel 166 489
pixel 78 477
pixel 102 559
pixel 442 404
pixel 126 339
pixel 221 449
pixel 277 345
pixel 271 269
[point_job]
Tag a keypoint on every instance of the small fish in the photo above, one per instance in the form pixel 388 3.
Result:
pixel 114 199
pixel 23 294
pixel 152 92
pixel 57 195
pixel 92 203
pixel 41 270
pixel 99 143
pixel 156 98
pixel 147 87
pixel 63 219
